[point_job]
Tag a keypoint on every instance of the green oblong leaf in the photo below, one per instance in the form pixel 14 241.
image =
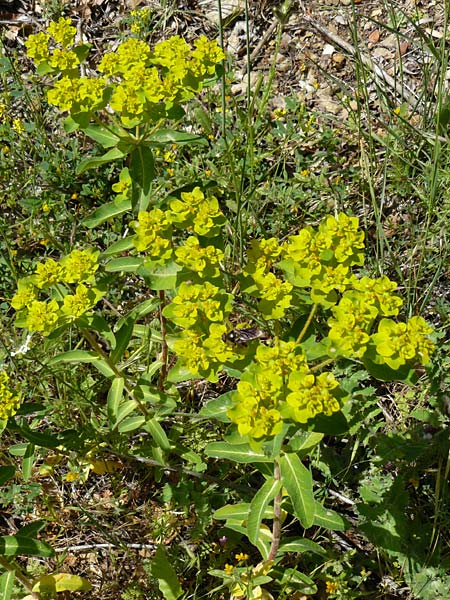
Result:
pixel 127 264
pixel 160 278
pixel 104 136
pixel 28 461
pixel 172 136
pixel 258 507
pixel 238 512
pixel 217 408
pixel 304 441
pixel 142 309
pixel 61 582
pixel 15 545
pixel 123 336
pixel 83 356
pixel 7 585
pixel 241 453
pixel 163 571
pixel 158 434
pixel 263 542
pixel 114 397
pixel 142 171
pixel 113 154
pixel 32 528
pixel 301 545
pixel 105 212
pixel 119 247
pixel 297 480
pixel 7 472
pixel 291 579
pixel 125 409
pixel 45 440
pixel 131 424
pixel 325 517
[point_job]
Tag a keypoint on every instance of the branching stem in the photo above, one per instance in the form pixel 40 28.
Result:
pixel 276 528
pixel 164 349
pixel 307 324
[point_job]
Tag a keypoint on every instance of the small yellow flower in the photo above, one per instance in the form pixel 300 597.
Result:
pixel 6 149
pixel 169 156
pixel 9 401
pixel 316 85
pixel 70 477
pixel 304 173
pixel 74 196
pixel 228 569
pixel 45 207
pixel 170 172
pixel 18 126
pixel 397 110
pixel 331 587
pixel 279 114
pixel 208 172
pixel 241 556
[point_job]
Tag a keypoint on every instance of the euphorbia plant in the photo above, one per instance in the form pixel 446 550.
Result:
pixel 126 109
pixel 317 310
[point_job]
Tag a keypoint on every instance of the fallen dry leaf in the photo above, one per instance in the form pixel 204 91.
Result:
pixel 374 37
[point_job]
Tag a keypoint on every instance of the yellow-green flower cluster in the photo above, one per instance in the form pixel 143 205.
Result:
pixel 42 316
pixel 154 234
pixel 142 85
pixel 61 33
pixel 9 400
pixel 123 187
pixel 261 256
pixel 353 319
pixel 350 325
pixel 55 277
pixel 279 387
pixel 201 309
pixel 194 212
pixel 274 293
pixel 75 305
pixel 79 266
pixel 204 261
pixel 401 343
pixel 154 230
pixel 322 259
pixel 394 344
pixel 343 238
pixel 81 95
pixel 140 19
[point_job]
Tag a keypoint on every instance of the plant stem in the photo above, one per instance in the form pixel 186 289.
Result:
pixel 19 574
pixel 162 320
pixel 276 529
pixel 97 348
pixel 307 324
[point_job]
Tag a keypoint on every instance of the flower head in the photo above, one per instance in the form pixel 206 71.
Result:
pixel 9 400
